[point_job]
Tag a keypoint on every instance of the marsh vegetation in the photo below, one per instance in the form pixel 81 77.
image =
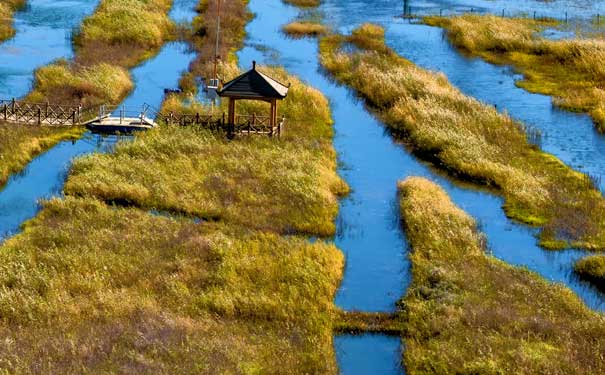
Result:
pixel 570 70
pixel 469 139
pixel 467 312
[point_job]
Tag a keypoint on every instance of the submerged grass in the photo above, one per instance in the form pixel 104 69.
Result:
pixel 7 9
pixel 469 313
pixel 19 145
pixel 469 139
pixel 570 70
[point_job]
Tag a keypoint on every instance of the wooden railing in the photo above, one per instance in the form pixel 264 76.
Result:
pixel 243 124
pixel 16 111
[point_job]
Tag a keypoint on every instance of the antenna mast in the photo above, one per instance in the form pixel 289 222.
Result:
pixel 218 33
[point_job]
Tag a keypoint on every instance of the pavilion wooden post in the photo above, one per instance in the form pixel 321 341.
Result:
pixel 273 120
pixel 231 117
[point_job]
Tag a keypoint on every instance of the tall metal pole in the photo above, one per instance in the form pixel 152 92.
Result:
pixel 218 33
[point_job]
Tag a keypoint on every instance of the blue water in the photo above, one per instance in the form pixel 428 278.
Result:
pixel 368 354
pixel 43 34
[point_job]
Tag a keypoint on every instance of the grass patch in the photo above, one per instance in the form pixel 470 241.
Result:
pixel 569 70
pixel 299 29
pixel 124 32
pixel 88 85
pixel 304 3
pixel 469 313
pixel 287 186
pixel 20 144
pixel 592 268
pixel 7 9
pixel 93 288
pixel 469 139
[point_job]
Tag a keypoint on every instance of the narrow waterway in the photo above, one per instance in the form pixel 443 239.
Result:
pixel 45 176
pixel 44 31
pixel 377 268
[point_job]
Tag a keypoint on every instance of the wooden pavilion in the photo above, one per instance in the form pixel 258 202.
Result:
pixel 254 85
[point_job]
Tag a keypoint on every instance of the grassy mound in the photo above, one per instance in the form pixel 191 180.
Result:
pixel 469 139
pixel 468 313
pixel 570 70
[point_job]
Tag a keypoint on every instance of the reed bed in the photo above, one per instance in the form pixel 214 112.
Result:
pixel 7 9
pixel 469 139
pixel 469 313
pixel 569 70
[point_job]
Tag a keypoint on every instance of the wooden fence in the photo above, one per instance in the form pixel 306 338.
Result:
pixel 16 111
pixel 243 124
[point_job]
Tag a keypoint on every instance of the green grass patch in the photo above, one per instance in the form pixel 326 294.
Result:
pixel 592 268
pixel 469 139
pixel 570 70
pixel 469 313
pixel 20 144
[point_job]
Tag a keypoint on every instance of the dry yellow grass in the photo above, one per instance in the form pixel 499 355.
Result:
pixel 468 313
pixel 470 140
pixel 299 29
pixel 571 71
pixel 7 8
pixel 97 289
pixel 304 3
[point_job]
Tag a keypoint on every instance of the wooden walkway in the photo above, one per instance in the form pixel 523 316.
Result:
pixel 119 118
pixel 19 112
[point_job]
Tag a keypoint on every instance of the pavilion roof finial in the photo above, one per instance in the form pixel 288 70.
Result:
pixel 254 65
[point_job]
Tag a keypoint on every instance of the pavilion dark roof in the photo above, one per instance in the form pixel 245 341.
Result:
pixel 254 85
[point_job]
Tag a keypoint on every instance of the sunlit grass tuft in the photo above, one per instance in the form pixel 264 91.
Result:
pixel 88 86
pixel 570 70
pixel 304 3
pixel 467 312
pixel 299 29
pixel 469 139
pixel 592 268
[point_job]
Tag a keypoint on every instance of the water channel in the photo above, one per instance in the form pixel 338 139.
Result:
pixel 377 269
